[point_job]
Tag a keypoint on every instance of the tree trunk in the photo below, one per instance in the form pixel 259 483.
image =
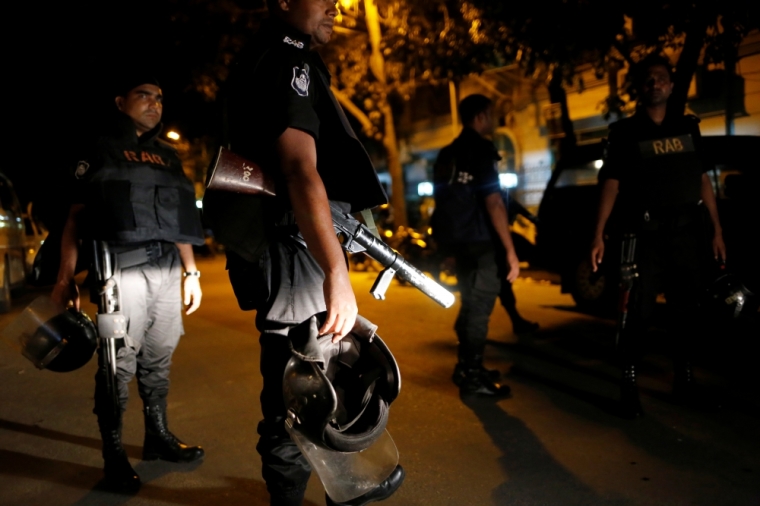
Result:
pixel 398 186
pixel 730 65
pixel 557 95
pixel 377 66
pixel 687 61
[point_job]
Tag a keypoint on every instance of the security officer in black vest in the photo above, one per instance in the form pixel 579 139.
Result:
pixel 470 223
pixel 284 117
pixel 131 192
pixel 655 175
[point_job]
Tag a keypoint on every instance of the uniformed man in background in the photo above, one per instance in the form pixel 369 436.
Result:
pixel 470 223
pixel 284 117
pixel 131 192
pixel 655 174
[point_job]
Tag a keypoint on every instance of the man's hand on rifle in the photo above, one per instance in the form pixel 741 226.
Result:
pixel 341 306
pixel 66 291
pixel 193 294
pixel 597 253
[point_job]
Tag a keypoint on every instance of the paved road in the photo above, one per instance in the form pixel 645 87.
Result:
pixel 556 442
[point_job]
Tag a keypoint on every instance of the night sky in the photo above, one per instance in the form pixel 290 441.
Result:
pixel 63 60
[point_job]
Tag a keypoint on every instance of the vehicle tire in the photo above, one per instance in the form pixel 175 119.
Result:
pixel 591 291
pixel 5 290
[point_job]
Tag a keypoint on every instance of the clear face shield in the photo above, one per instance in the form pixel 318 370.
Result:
pixel 338 397
pixel 28 333
pixel 52 337
pixel 347 476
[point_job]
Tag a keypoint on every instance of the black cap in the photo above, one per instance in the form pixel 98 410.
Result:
pixel 128 82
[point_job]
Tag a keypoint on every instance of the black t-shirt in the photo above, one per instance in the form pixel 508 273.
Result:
pixel 464 175
pixel 470 160
pixel 280 83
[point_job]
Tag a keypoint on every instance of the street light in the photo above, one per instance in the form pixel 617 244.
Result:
pixel 173 135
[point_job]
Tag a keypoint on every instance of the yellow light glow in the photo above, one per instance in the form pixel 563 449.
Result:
pixel 421 243
pixel 346 4
pixel 387 233
pixel 430 230
pixel 172 135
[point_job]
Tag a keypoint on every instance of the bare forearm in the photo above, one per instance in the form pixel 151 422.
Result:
pixel 312 212
pixel 498 214
pixel 187 257
pixel 298 158
pixel 69 246
pixel 606 203
pixel 708 197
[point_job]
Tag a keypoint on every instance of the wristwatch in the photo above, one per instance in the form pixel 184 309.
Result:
pixel 197 274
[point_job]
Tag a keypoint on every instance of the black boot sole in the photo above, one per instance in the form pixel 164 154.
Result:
pixel 174 458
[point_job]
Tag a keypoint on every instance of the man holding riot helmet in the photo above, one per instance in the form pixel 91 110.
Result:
pixel 284 118
pixel 132 194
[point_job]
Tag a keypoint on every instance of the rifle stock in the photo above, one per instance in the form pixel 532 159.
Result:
pixel 233 173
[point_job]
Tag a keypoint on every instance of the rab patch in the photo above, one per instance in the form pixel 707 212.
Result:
pixel 300 81
pixel 296 43
pixel 82 168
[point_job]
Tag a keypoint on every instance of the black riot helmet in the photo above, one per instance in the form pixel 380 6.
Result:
pixel 338 394
pixel 63 343
pixel 727 297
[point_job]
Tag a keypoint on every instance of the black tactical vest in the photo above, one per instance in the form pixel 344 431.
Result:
pixel 663 166
pixel 137 192
pixel 670 170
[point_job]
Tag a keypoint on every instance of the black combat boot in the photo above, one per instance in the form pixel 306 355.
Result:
pixel 460 373
pixel 159 442
pixel 379 493
pixel 119 475
pixel 687 392
pixel 630 405
pixel 471 358
pixel 475 379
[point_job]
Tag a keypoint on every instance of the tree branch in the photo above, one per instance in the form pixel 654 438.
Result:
pixel 354 110
pixel 625 54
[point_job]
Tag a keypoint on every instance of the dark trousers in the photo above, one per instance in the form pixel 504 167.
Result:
pixel 151 300
pixel 479 285
pixel 669 259
pixel 286 288
pixel 284 469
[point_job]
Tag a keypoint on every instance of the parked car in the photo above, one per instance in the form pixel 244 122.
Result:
pixel 35 234
pixel 567 216
pixel 13 246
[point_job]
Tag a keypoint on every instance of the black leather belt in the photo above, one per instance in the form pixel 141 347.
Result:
pixel 131 256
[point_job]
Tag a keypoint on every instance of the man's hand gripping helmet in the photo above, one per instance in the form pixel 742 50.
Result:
pixel 338 394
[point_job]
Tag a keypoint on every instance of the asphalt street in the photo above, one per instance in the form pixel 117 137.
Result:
pixel 557 441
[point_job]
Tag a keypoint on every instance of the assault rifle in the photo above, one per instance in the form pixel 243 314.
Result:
pixel 112 324
pixel 628 275
pixel 230 172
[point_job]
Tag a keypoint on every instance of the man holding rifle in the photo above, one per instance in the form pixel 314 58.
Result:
pixel 655 174
pixel 134 202
pixel 284 118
